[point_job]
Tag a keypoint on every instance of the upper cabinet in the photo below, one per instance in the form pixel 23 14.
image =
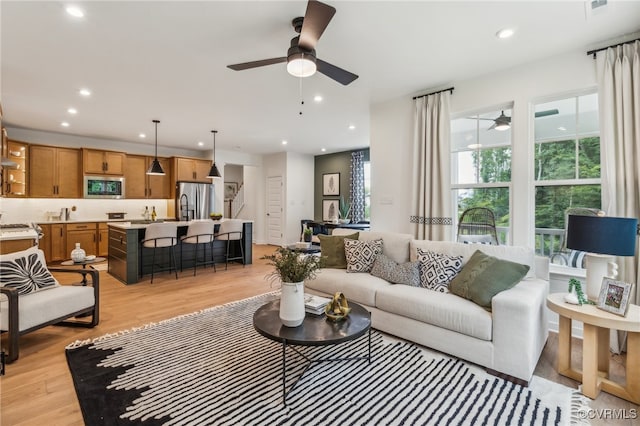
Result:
pixel 98 162
pixel 54 172
pixel 191 169
pixel 140 185
pixel 15 176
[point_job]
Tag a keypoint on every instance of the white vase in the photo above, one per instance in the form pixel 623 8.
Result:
pixel 292 304
pixel 78 254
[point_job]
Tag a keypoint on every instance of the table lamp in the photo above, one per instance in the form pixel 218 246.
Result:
pixel 602 238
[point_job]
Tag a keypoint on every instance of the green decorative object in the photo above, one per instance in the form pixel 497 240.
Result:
pixel 338 308
pixel 576 286
pixel 292 267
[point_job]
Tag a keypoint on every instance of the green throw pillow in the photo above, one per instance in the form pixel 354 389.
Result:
pixel 332 249
pixel 485 276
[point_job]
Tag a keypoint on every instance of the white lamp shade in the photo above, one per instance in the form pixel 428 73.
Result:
pixel 301 67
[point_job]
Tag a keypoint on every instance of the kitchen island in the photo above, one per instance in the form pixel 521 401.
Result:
pixel 126 257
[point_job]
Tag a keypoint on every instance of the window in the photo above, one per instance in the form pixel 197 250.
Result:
pixel 367 190
pixel 566 166
pixel 481 166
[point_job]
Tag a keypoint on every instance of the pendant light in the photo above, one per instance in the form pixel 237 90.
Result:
pixel 214 172
pixel 155 168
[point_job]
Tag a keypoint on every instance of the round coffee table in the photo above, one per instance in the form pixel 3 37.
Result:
pixel 315 330
pixel 84 264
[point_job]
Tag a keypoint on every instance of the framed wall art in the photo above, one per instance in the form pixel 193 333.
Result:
pixel 230 189
pixel 331 184
pixel 614 296
pixel 330 210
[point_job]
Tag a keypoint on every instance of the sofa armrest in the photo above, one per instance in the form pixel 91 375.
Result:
pixel 520 327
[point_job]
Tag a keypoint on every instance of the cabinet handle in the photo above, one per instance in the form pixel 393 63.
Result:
pixel 106 166
pixel 61 232
pixel 149 192
pixel 94 238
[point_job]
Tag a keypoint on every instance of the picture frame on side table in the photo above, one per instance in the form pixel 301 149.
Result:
pixel 614 296
pixel 330 210
pixel 331 184
pixel 230 189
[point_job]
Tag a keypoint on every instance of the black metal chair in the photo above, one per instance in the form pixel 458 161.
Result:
pixel 477 225
pixel 231 230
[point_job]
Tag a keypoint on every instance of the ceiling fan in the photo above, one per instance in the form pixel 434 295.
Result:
pixel 301 57
pixel 503 122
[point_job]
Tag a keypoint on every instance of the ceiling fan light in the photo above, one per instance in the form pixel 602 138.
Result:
pixel 155 169
pixel 502 126
pixel 299 65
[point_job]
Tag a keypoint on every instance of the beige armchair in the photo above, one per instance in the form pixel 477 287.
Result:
pixel 31 298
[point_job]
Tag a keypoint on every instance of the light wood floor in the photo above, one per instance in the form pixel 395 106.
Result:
pixel 37 389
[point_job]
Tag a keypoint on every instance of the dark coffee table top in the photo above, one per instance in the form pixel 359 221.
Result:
pixel 315 330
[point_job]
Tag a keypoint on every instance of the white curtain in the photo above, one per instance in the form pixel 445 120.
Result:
pixel 431 192
pixel 618 71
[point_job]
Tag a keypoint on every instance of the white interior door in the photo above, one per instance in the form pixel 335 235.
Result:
pixel 274 210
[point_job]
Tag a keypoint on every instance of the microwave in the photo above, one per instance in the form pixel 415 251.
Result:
pixel 103 187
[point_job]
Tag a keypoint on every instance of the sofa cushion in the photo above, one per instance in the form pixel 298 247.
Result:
pixel 518 254
pixel 443 310
pixel 361 288
pixel 396 246
pixel 485 276
pixel 26 271
pixel 396 273
pixel 361 254
pixel 43 306
pixel 332 248
pixel 437 269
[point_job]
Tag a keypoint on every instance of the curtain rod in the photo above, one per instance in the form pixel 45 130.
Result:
pixel 593 52
pixel 450 89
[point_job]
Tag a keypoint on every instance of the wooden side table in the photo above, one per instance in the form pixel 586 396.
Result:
pixel 595 347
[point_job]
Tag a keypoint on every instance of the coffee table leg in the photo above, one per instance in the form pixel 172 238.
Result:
pixel 284 368
pixel 369 356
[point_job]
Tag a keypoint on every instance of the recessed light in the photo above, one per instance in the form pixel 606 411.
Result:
pixel 74 11
pixel 85 92
pixel 351 127
pixel 200 143
pixel 142 136
pixel 72 111
pixel 323 149
pixel 317 98
pixel 505 33
pixel 284 142
pixel 64 124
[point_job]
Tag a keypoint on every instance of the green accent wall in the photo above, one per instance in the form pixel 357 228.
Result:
pixel 339 162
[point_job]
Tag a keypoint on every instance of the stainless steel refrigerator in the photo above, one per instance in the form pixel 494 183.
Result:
pixel 194 200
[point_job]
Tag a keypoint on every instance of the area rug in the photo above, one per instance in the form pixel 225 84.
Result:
pixel 213 368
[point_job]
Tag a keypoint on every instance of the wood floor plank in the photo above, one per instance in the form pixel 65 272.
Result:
pixel 37 389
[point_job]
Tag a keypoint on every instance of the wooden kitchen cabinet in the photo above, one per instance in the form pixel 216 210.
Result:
pixel 54 172
pixel 100 162
pixel 191 169
pixel 83 233
pixel 140 185
pixel 15 182
pixel 103 239
pixel 53 242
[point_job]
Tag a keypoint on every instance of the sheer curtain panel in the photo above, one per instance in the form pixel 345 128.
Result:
pixel 618 71
pixel 431 210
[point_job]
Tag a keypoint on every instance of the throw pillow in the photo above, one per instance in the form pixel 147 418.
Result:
pixel 26 271
pixel 361 254
pixel 437 269
pixel 396 273
pixel 332 249
pixel 485 276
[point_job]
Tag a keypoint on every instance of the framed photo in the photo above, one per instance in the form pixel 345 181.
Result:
pixel 330 210
pixel 230 189
pixel 614 296
pixel 331 184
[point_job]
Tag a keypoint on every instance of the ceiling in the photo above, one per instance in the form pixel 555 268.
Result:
pixel 163 60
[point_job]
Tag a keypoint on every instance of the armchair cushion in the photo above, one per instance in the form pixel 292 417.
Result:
pixel 26 271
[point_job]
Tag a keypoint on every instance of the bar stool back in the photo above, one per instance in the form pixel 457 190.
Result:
pixel 199 233
pixel 231 230
pixel 160 236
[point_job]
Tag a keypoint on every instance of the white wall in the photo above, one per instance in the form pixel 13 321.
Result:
pixel 299 189
pixel 392 135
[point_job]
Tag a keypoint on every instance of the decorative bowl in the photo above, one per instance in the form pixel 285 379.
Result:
pixel 344 221
pixel 338 309
pixel 215 216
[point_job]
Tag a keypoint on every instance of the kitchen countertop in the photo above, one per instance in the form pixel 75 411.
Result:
pixel 129 225
pixel 44 222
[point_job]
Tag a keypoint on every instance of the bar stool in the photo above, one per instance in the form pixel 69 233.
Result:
pixel 199 233
pixel 231 230
pixel 159 236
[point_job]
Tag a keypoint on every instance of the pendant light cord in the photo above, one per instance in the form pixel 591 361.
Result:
pixel 214 145
pixel 156 122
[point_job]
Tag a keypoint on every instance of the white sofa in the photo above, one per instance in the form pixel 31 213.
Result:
pixel 507 341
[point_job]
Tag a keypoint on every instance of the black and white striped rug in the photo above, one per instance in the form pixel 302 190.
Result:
pixel 213 368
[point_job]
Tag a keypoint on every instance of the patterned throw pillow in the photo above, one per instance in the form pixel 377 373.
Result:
pixel 396 273
pixel 361 254
pixel 437 269
pixel 26 271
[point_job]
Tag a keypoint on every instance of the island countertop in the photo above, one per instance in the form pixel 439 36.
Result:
pixel 133 225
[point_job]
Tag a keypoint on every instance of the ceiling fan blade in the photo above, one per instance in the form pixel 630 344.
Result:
pixel 547 113
pixel 316 19
pixel 493 126
pixel 336 73
pixel 256 64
